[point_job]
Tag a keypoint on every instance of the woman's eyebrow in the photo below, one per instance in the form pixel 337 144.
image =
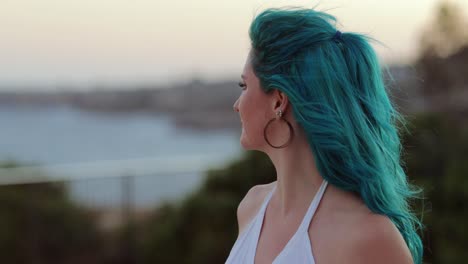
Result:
pixel 243 76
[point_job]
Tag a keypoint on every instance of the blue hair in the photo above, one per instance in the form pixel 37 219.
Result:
pixel 335 86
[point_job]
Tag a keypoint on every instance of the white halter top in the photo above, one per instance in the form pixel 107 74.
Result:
pixel 297 250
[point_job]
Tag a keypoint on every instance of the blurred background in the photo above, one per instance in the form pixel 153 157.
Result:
pixel 118 143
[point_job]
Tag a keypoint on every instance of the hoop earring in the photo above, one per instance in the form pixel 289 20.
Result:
pixel 279 116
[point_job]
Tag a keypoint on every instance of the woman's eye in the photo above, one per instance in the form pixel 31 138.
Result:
pixel 242 85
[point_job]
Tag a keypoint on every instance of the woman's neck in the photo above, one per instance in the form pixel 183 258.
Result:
pixel 298 178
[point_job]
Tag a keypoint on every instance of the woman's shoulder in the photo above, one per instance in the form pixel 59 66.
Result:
pixel 377 239
pixel 251 203
pixel 370 238
pixel 347 231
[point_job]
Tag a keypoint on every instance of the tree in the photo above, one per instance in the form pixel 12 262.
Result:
pixel 436 151
pixel 447 33
pixel 203 228
pixel 443 63
pixel 39 224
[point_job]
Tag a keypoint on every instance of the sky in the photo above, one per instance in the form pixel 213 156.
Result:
pixel 78 44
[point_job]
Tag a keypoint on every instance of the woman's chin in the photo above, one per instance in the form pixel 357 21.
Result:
pixel 244 142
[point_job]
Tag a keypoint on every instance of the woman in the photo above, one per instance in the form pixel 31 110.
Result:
pixel 314 101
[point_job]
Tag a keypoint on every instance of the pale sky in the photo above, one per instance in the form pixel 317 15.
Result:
pixel 82 43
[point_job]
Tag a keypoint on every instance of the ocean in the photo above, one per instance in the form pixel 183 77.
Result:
pixel 99 155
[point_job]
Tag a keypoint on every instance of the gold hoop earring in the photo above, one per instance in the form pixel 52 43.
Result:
pixel 279 116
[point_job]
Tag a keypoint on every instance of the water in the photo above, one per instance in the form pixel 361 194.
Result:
pixel 94 149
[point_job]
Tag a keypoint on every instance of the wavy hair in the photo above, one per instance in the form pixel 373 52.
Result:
pixel 337 93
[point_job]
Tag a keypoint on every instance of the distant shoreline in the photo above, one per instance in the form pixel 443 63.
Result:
pixel 195 105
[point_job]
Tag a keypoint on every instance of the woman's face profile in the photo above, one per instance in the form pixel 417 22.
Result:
pixel 252 105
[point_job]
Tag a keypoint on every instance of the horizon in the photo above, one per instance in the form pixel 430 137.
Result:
pixel 67 45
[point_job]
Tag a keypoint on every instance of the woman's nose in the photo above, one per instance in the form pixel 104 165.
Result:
pixel 235 106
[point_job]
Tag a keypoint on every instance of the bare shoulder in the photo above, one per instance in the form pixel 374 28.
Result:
pixel 251 203
pixel 377 240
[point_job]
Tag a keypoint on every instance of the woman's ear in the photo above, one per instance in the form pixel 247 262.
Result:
pixel 280 101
